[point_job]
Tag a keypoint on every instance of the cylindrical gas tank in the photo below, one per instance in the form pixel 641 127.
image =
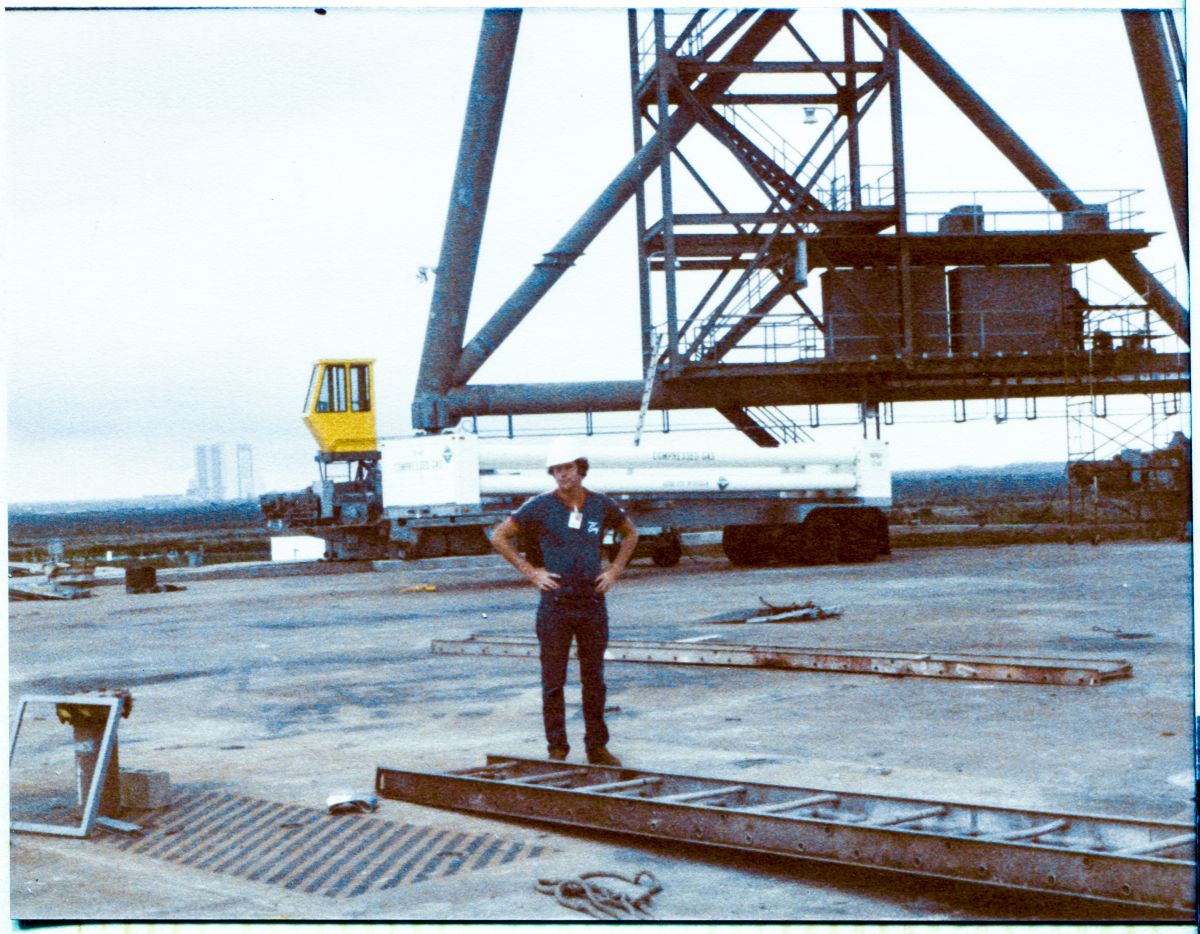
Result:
pixel 681 480
pixel 530 455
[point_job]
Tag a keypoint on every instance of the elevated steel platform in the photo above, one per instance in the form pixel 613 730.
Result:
pixel 825 250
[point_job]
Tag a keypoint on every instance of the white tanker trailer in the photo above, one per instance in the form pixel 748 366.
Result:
pixel 439 494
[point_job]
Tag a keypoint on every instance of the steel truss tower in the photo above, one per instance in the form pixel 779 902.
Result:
pixel 913 306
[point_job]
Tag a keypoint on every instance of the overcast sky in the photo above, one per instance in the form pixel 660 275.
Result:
pixel 199 204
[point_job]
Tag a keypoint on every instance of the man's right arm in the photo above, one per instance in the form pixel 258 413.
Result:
pixel 504 540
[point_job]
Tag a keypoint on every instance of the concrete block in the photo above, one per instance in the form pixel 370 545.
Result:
pixel 145 788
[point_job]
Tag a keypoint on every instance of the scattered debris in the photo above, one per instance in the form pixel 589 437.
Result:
pixel 1121 634
pixel 93 719
pixel 119 825
pixel 57 582
pixel 628 902
pixel 141 578
pixel 43 590
pixel 770 613
pixel 351 802
pixel 145 789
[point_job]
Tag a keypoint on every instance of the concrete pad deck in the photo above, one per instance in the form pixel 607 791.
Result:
pixel 290 688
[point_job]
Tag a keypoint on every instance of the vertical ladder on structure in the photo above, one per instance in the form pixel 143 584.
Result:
pixel 648 387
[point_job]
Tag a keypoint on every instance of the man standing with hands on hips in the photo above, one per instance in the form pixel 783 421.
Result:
pixel 569 524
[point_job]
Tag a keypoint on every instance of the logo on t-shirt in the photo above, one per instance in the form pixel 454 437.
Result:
pixel 593 527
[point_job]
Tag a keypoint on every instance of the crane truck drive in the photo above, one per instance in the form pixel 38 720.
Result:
pixel 434 495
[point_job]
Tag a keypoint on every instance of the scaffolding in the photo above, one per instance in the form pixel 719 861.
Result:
pixel 1128 457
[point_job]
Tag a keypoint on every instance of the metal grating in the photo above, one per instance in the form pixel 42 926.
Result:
pixel 308 850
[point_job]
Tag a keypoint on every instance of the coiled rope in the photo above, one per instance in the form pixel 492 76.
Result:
pixel 600 901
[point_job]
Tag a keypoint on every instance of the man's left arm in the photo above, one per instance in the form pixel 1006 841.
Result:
pixel 629 537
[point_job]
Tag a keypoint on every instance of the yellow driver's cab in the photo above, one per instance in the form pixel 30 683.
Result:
pixel 339 408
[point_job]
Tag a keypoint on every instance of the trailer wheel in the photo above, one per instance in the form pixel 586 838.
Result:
pixel 668 550
pixel 860 537
pixel 790 544
pixel 820 538
pixel 744 546
pixel 433 543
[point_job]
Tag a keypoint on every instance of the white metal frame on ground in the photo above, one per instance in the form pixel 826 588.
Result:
pixel 92 805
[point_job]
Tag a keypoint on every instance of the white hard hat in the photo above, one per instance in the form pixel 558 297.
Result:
pixel 563 451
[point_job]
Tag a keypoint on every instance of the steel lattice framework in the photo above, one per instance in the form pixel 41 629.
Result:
pixel 820 206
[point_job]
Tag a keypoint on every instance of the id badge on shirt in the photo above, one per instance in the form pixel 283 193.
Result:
pixel 575 520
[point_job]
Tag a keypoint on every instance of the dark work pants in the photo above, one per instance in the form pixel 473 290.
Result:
pixel 584 618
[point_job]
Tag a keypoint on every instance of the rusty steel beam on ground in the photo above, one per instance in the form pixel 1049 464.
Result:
pixel 1067 671
pixel 1116 859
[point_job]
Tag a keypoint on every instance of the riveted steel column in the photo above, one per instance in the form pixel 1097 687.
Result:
pixel 1027 162
pixel 465 216
pixel 640 197
pixel 610 201
pixel 665 72
pixel 848 108
pixel 899 185
pixel 1164 106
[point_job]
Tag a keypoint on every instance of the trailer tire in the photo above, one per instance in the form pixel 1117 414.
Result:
pixel 744 546
pixel 433 543
pixel 859 537
pixel 668 550
pixel 820 538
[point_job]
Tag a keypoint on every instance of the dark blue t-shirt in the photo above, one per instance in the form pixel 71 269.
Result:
pixel 573 554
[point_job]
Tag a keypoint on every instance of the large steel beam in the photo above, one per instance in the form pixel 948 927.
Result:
pixel 1164 106
pixel 546 273
pixel 1075 671
pixel 1039 174
pixel 746 385
pixel 1123 860
pixel 468 200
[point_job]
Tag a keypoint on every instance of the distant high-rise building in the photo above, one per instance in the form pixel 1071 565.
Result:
pixel 215 472
pixel 245 471
pixel 201 488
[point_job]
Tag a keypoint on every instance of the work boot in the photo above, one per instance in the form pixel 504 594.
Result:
pixel 601 756
pixel 558 753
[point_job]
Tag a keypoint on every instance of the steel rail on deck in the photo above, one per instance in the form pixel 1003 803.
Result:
pixel 1117 859
pixel 1066 671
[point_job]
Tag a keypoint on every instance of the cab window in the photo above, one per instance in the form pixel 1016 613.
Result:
pixel 332 397
pixel 360 388
pixel 312 384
